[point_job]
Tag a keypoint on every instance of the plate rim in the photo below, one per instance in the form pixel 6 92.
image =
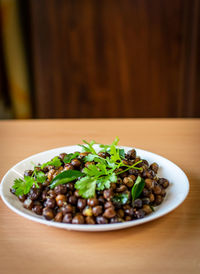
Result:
pixel 93 228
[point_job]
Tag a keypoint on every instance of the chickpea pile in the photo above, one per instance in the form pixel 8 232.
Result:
pixel 64 204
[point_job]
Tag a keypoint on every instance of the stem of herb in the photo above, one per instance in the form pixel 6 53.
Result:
pixel 129 167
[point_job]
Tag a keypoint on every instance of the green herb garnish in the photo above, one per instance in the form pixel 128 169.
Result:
pixel 86 186
pixel 88 147
pixel 137 188
pixel 97 176
pixel 39 175
pixel 152 208
pixel 65 177
pixel 70 156
pixel 121 198
pixel 23 186
pixel 54 162
pixel 100 174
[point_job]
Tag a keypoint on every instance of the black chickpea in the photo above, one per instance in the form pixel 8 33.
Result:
pixel 158 199
pixel 108 204
pixel 92 202
pixel 128 181
pixel 67 209
pixel 68 167
pixel 131 154
pixel 81 203
pixel 154 167
pixel 60 189
pixel 58 217
pixel 101 220
pixel 37 209
pixel 157 189
pixel 120 213
pixel 48 213
pixel 163 182
pixel 109 213
pixel 67 218
pixel 121 188
pixel 83 154
pixel 101 200
pixel 108 194
pixel 90 220
pixel 149 183
pixel 78 219
pixel 76 163
pixel 70 186
pixel 61 200
pixel 22 198
pixel 137 203
pixel 72 200
pixel 147 209
pixel 139 214
pixel 97 210
pixel 50 203
pixel 51 193
pixel 34 193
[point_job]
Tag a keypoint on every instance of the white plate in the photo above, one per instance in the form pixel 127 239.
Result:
pixel 176 192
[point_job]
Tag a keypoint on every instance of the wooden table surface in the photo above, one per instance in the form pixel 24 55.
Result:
pixel 170 244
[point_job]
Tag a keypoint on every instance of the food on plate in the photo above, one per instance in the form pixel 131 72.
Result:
pixel 94 186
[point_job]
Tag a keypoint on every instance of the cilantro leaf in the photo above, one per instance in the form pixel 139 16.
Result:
pixel 86 187
pixel 70 156
pixel 91 157
pixel 54 162
pixel 122 153
pixel 137 188
pixel 121 198
pixel 104 182
pixel 93 171
pixel 65 177
pixel 106 148
pixel 23 186
pixel 88 147
pixel 40 176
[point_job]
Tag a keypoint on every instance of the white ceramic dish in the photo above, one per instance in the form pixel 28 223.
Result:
pixel 176 192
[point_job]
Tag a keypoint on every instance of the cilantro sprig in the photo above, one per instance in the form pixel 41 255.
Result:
pixel 88 147
pixel 103 172
pixel 54 162
pixel 67 159
pixel 23 186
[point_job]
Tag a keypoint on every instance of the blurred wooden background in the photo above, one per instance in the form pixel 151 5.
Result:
pixel 113 58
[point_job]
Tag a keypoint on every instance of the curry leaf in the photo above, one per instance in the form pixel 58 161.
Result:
pixel 65 177
pixel 137 188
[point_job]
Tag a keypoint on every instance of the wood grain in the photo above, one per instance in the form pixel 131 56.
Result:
pixel 170 244
pixel 126 58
